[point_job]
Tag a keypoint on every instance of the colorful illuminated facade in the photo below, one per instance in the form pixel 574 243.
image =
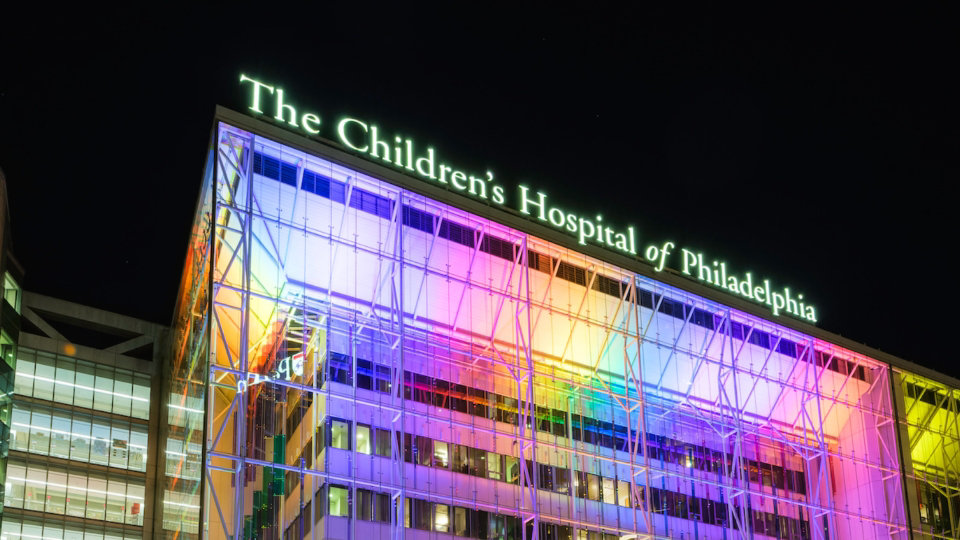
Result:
pixel 358 354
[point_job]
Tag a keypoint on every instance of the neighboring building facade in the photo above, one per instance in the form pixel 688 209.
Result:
pixel 83 432
pixel 11 274
pixel 359 354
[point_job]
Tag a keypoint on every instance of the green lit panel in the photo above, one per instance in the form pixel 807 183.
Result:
pixel 933 435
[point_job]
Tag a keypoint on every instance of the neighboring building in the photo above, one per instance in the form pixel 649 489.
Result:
pixel 368 355
pixel 83 431
pixel 11 274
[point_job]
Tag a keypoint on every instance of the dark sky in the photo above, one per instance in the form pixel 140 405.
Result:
pixel 814 148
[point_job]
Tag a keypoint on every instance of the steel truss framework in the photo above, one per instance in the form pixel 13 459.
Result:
pixel 931 428
pixel 607 356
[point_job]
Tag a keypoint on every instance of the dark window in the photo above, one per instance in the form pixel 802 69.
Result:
pixel 266 166
pixel 341 368
pixel 418 219
pixel 606 285
pixel 787 348
pixel 364 374
pixel 457 233
pixel 702 318
pixel 382 442
pixel 338 192
pixel 539 261
pixel 647 300
pixel 561 480
pixel 370 203
pixel 288 174
pixel 497 247
pixel 422 389
pixel 479 404
pixel 569 272
pixel 384 378
pixel 760 339
pixel 559 422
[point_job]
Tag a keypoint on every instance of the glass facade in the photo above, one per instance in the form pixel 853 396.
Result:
pixel 9 333
pixel 67 381
pixel 51 528
pixel 932 453
pixel 79 449
pixel 354 359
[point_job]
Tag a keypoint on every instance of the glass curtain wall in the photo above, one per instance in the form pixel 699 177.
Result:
pixel 383 364
pixel 931 448
pixel 182 421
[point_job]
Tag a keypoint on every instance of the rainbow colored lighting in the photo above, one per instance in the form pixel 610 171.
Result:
pixel 464 378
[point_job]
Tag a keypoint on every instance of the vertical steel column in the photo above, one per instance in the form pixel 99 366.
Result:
pixel 731 411
pixel 636 435
pixel 523 375
pixel 398 326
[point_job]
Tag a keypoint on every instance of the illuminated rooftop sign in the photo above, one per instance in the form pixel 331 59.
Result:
pixel 371 141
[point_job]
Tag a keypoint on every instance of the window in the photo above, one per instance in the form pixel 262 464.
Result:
pixel 383 442
pixel 40 433
pixel 593 487
pixel 494 466
pixel 339 501
pixel 138 448
pixel 609 496
pixel 83 393
pixel 383 378
pixel 339 434
pixel 545 476
pixel 119 446
pixel 116 495
pixel 364 375
pixel 460 463
pixel 580 484
pixel 364 439
pixel 60 436
pixel 103 389
pixel 561 480
pixel 441 455
pixel 441 518
pixel 623 493
pixel 76 495
pixel 382 508
pixel 140 405
pixel 96 497
pixel 11 291
pixel 478 462
pixel 340 368
pixel 100 442
pixel 365 505
pixel 421 514
pixel 512 467
pixel 64 387
pixel 424 451
pixel 461 521
pixel 123 392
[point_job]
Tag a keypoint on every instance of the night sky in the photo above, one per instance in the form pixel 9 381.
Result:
pixel 815 149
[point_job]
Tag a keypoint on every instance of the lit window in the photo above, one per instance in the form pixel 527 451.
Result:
pixel 441 518
pixel 441 455
pixel 364 445
pixel 340 434
pixel 609 496
pixel 11 292
pixel 593 487
pixel 493 466
pixel 623 493
pixel 339 501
